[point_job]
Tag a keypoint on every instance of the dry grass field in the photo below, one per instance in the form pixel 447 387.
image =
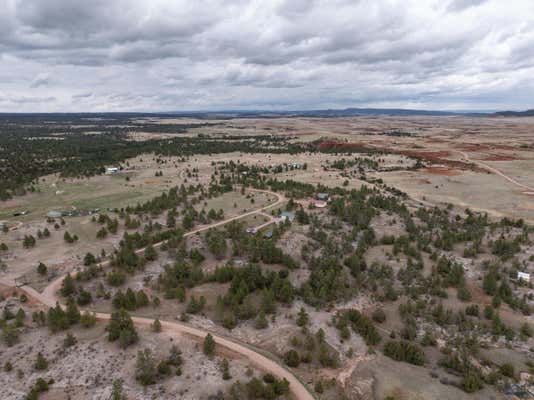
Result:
pixel 505 144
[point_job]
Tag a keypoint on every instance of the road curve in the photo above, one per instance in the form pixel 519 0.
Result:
pixel 495 171
pixel 49 298
pixel 53 287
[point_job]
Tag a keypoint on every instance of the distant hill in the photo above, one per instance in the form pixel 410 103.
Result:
pixel 230 114
pixel 527 113
pixel 332 113
pixel 347 112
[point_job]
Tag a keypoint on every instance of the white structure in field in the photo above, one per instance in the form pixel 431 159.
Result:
pixel 287 215
pixel 54 214
pixel 523 276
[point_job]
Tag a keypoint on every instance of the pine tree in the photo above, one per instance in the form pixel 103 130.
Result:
pixel 121 328
pixel 19 318
pixel 73 314
pixel 268 302
pixel 302 318
pixel 209 345
pixel 175 356
pixel 67 286
pixel 141 299
pixel 84 297
pixel 40 363
pixel 89 259
pixel 225 369
pixel 10 335
pixel 57 319
pixel 156 326
pixel 145 368
pixel 489 283
pixel 261 322
pixel 88 320
pixel 117 391
pixel 150 253
pixel 41 269
pixel 130 300
pixel 70 340
pixel 8 367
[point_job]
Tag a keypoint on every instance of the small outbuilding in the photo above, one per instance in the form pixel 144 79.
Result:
pixel 287 216
pixel 322 196
pixel 54 214
pixel 523 276
pixel 112 170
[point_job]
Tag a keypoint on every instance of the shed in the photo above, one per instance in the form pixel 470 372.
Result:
pixel 322 196
pixel 112 170
pixel 54 214
pixel 287 215
pixel 523 276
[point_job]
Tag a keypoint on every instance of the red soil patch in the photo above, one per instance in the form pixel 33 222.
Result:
pixel 503 147
pixel 436 140
pixel 483 146
pixel 472 147
pixel 436 156
pixel 441 170
pixel 500 157
pixel 335 144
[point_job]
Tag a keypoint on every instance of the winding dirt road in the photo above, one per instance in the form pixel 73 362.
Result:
pixel 495 171
pixel 49 298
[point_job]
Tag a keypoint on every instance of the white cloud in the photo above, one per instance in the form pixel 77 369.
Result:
pixel 214 54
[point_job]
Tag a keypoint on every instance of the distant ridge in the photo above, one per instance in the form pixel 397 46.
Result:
pixel 328 113
pixel 230 114
pixel 374 111
pixel 527 113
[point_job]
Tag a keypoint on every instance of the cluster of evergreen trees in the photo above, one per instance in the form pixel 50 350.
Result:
pixel 23 160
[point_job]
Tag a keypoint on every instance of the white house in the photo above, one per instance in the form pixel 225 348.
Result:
pixel 523 276
pixel 54 214
pixel 287 215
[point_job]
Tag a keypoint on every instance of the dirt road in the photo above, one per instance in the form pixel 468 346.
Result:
pixel 495 171
pixel 297 388
pixel 53 287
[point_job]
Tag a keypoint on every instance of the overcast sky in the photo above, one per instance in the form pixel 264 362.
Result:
pixel 157 55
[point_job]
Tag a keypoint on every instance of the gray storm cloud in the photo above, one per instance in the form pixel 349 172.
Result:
pixel 213 54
